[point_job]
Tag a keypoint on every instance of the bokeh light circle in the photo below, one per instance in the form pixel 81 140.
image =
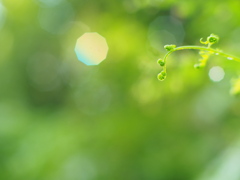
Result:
pixel 91 48
pixel 43 72
pixel 216 73
pixel 57 19
pixel 49 3
pixel 2 15
pixel 165 30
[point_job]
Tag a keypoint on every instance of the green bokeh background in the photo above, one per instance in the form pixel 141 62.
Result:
pixel 63 120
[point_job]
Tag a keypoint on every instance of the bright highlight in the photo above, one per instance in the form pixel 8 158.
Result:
pixel 91 48
pixel 216 74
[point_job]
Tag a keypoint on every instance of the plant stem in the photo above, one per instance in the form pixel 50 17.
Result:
pixel 217 52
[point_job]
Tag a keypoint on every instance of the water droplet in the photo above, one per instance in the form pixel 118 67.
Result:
pixel 229 58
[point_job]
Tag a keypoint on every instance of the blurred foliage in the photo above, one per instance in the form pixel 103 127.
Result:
pixel 63 120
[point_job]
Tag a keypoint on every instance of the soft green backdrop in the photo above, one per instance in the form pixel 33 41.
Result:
pixel 63 120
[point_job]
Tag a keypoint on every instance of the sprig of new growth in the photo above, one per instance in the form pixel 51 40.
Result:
pixel 204 51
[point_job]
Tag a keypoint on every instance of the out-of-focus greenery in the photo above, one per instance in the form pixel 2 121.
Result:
pixel 63 120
